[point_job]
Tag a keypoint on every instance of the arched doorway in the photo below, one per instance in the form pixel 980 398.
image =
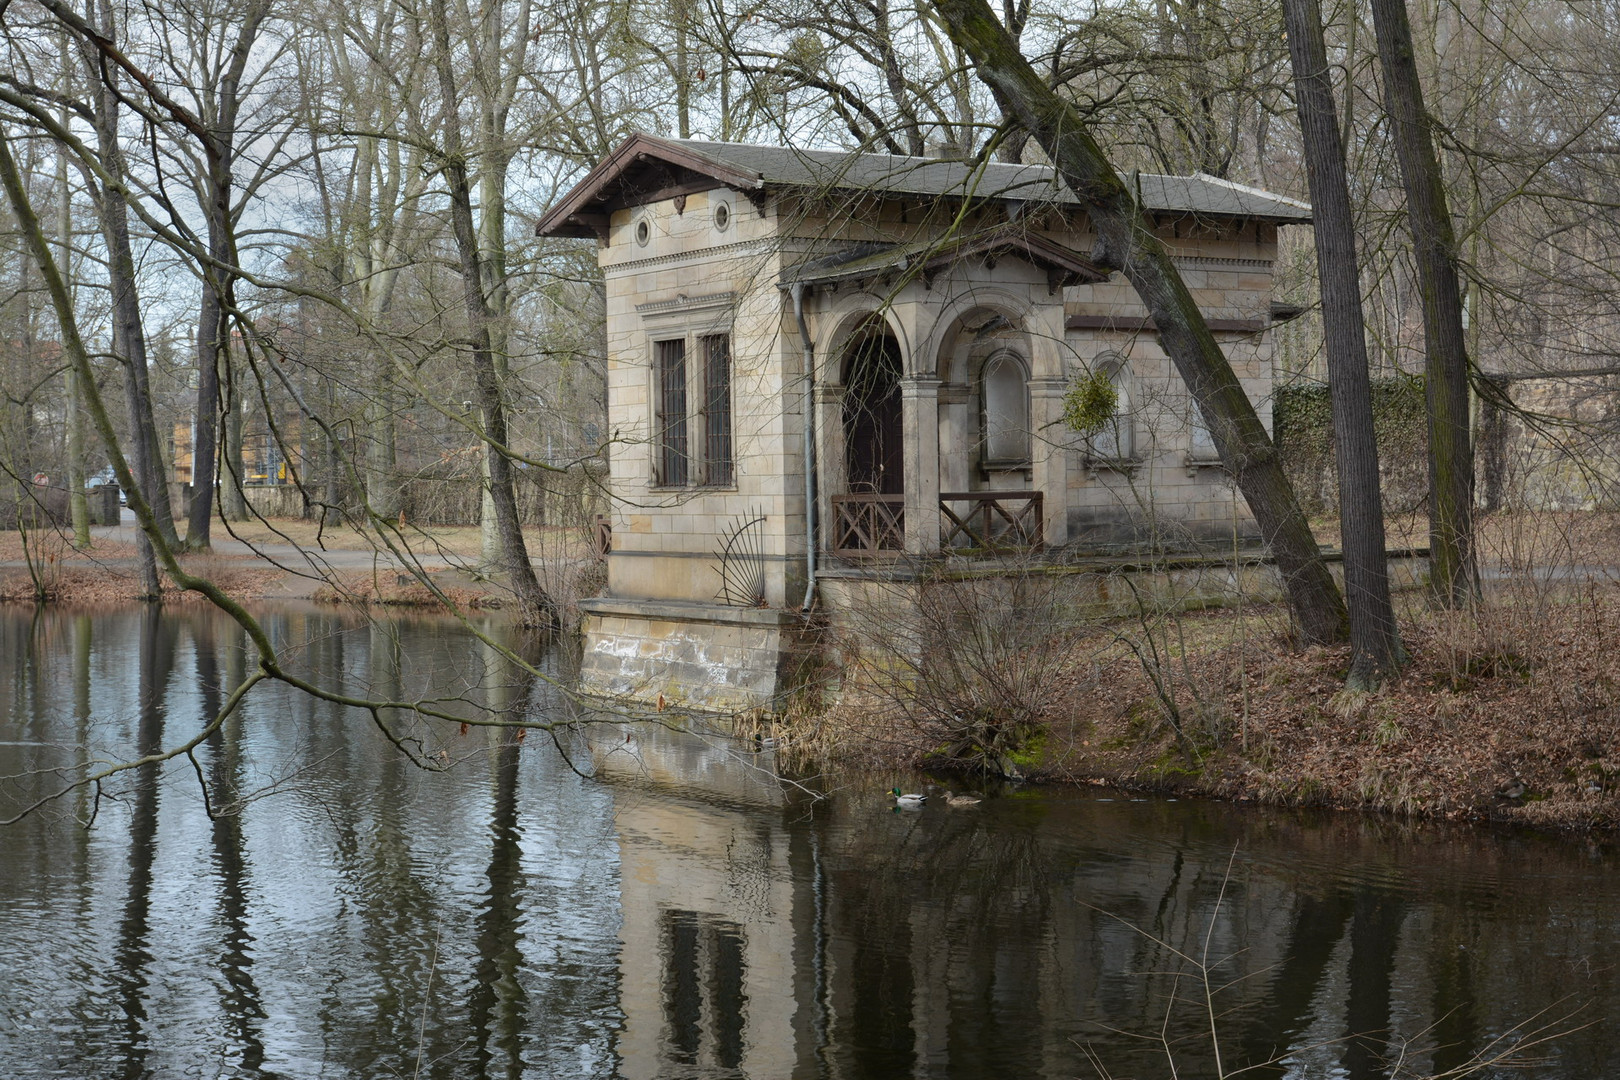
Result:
pixel 869 516
pixel 874 458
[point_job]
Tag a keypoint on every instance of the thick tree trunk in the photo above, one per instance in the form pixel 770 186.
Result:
pixel 129 333
pixel 1453 574
pixel 1375 644
pixel 1125 240
pixel 213 327
pixel 535 607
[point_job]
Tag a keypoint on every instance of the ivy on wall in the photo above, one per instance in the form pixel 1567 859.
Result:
pixel 1302 416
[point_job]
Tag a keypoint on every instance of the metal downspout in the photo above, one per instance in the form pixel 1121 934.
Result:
pixel 809 448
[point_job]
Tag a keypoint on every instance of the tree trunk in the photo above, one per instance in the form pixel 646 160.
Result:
pixel 211 331
pixel 1125 241
pixel 129 334
pixel 213 326
pixel 535 608
pixel 232 503
pixel 1375 644
pixel 77 504
pixel 1453 574
pixel 383 493
pixel 73 346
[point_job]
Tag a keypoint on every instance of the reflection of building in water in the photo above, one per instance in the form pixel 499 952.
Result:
pixel 760 940
pixel 707 959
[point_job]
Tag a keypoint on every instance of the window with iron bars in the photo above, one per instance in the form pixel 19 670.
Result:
pixel 693 448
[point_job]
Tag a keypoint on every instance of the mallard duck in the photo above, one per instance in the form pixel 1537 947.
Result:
pixel 965 799
pixel 907 799
pixel 1513 789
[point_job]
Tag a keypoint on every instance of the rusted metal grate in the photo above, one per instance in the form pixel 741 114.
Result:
pixel 672 454
pixel 717 454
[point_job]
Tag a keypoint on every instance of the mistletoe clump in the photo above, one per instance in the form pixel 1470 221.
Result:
pixel 1090 403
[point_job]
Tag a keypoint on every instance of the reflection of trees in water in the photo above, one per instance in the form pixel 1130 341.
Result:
pixel 343 905
pixel 241 1004
pixel 498 1001
pixel 937 935
pixel 133 958
pixel 993 947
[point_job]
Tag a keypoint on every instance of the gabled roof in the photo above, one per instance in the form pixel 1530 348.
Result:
pixel 645 168
pixel 925 258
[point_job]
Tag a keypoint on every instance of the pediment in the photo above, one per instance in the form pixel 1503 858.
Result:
pixel 645 169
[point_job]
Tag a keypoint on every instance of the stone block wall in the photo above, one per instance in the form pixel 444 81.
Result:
pixel 689 280
pixel 700 656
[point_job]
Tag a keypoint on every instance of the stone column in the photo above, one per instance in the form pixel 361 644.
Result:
pixel 1049 454
pixel 958 436
pixel 919 412
pixel 832 477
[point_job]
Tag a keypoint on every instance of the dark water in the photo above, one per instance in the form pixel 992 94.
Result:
pixel 680 913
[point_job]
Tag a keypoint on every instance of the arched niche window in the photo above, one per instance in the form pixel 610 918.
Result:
pixel 1116 439
pixel 1004 398
pixel 1201 444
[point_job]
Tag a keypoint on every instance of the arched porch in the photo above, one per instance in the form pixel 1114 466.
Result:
pixel 970 407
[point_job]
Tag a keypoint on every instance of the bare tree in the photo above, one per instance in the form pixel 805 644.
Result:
pixel 1375 644
pixel 1452 573
pixel 221 92
pixel 1125 240
pixel 536 608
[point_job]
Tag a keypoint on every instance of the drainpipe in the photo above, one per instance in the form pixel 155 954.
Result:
pixel 809 448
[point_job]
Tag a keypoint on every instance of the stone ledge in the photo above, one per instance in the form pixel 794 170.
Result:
pixel 690 611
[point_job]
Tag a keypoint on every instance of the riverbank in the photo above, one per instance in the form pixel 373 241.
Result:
pixel 1507 713
pixel 287 560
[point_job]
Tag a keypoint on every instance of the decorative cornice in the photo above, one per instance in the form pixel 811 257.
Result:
pixel 765 244
pixel 785 245
pixel 1211 262
pixel 683 303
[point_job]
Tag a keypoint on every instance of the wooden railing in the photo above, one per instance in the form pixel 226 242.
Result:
pixel 991 521
pixel 867 524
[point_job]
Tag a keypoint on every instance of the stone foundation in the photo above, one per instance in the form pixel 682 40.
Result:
pixel 694 655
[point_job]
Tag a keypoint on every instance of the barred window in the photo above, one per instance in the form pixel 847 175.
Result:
pixel 693 425
pixel 717 461
pixel 671 417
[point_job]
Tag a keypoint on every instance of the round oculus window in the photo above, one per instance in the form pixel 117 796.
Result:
pixel 722 216
pixel 643 232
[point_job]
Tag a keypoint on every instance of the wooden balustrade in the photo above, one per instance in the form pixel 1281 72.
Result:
pixel 975 522
pixel 867 524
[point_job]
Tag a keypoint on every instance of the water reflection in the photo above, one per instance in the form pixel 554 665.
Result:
pixel 765 936
pixel 683 914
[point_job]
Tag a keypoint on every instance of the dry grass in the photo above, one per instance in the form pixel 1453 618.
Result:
pixel 1525 687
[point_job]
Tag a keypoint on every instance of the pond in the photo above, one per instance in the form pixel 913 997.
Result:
pixel 636 902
